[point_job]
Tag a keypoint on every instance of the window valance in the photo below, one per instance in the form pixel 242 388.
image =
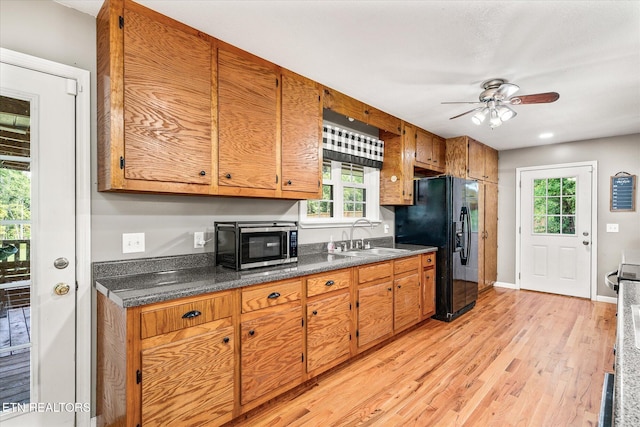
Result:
pixel 345 146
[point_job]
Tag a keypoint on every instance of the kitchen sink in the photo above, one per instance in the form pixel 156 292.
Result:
pixel 371 252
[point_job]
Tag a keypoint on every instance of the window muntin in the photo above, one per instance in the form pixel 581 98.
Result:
pixel 554 206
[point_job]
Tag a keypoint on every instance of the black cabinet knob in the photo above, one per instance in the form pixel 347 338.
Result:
pixel 252 332
pixel 428 259
pixel 225 340
pixel 202 173
pixel 399 286
pixel 289 182
pixel 329 283
pixel 228 176
pixel 315 312
pixel 390 289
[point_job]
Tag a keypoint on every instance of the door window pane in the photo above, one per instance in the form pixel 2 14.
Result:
pixel 15 251
pixel 554 206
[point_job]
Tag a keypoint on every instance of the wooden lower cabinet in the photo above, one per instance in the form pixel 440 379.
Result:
pixel 189 381
pixel 428 284
pixel 209 358
pixel 406 301
pixel 375 313
pixel 328 331
pixel 160 364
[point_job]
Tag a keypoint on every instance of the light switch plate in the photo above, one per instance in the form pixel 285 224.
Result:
pixel 612 228
pixel 132 243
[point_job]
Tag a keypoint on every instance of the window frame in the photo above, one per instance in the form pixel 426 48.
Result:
pixel 371 185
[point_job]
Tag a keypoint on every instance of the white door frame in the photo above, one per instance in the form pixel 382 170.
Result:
pixel 83 213
pixel 594 219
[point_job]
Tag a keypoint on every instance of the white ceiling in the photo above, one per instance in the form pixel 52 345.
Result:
pixel 406 57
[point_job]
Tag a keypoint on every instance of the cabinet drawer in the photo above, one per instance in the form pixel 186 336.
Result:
pixel 327 282
pixel 406 264
pixel 428 260
pixel 258 297
pixel 373 272
pixel 169 318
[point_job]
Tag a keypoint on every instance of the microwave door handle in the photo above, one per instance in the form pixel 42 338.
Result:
pixel 285 243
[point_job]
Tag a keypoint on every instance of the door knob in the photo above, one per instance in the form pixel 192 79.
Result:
pixel 61 263
pixel 61 289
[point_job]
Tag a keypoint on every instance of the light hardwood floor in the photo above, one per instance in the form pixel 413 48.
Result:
pixel 519 358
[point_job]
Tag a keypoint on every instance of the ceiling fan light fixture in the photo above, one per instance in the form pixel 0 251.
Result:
pixel 479 116
pixel 505 113
pixel 494 119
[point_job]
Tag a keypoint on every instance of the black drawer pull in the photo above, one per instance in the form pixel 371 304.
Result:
pixel 315 312
pixel 330 283
pixel 252 332
pixel 191 314
pixel 274 295
pixel 225 340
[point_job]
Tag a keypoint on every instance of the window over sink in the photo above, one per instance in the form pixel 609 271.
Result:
pixel 349 192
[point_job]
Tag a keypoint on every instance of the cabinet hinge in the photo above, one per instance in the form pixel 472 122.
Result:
pixel 349 337
pixel 357 304
pixel 519 276
pixel 302 357
pixel 519 230
pixel 121 21
pixel 357 334
pixel 349 306
pixel 121 162
pixel 302 322
pixel 276 178
pixel 138 376
pixel 277 83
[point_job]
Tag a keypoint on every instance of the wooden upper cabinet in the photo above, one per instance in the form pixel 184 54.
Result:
pixel 247 123
pixel 430 151
pixel 468 158
pixel 343 104
pixel 396 175
pixel 154 102
pixel 301 137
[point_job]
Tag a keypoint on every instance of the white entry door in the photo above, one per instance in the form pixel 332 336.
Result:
pixel 38 235
pixel 556 230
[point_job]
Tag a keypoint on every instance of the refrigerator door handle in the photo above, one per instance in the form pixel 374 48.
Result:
pixel 464 218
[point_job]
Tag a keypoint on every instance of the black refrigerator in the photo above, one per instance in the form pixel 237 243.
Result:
pixel 445 214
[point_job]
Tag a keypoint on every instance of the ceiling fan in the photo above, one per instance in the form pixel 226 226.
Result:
pixel 495 100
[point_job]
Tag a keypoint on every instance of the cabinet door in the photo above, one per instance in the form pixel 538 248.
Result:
pixel 424 147
pixel 392 174
pixel 490 164
pixel 167 103
pixel 406 301
pixel 188 382
pixel 301 136
pixel 409 157
pixel 428 292
pixel 375 312
pixel 328 331
pixel 475 159
pixel 247 121
pixel 438 153
pixel 271 352
pixel 490 235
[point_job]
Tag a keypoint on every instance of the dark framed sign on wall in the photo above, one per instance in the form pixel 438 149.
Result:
pixel 623 193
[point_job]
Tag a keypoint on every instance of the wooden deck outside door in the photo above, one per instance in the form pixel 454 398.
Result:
pixel 42 303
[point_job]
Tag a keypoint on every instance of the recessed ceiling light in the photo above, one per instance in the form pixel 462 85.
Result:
pixel 545 135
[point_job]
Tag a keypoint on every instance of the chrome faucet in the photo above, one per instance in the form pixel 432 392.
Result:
pixel 353 226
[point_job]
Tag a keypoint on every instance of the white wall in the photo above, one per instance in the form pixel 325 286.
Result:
pixel 613 155
pixel 49 30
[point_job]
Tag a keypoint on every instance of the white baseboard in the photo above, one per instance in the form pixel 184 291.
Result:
pixel 610 300
pixel 505 285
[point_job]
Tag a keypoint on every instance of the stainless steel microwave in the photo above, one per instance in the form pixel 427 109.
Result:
pixel 242 245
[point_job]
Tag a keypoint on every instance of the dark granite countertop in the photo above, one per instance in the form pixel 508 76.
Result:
pixel 626 395
pixel 131 289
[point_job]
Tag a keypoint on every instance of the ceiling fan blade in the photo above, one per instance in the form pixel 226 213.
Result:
pixel 466 112
pixel 537 98
pixel 462 102
pixel 506 90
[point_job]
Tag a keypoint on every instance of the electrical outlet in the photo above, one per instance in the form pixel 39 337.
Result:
pixel 198 239
pixel 386 228
pixel 132 242
pixel 612 228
